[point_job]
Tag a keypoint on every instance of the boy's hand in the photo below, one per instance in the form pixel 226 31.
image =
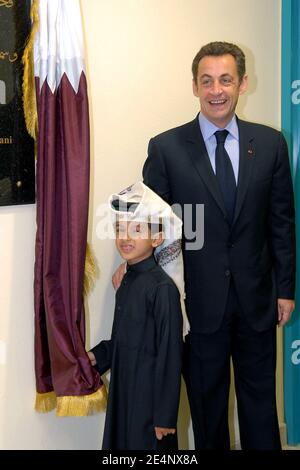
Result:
pixel 161 432
pixel 92 358
pixel 118 276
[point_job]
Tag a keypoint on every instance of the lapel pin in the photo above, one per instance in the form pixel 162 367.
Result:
pixel 250 152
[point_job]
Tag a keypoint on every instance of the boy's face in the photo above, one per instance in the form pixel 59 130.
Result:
pixel 134 242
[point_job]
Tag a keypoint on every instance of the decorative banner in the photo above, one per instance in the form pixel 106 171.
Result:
pixel 17 185
pixel 291 129
pixel 65 378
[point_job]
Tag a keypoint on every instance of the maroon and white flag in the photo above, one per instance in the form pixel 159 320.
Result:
pixel 64 376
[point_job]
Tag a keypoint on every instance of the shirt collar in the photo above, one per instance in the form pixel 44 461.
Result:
pixel 142 266
pixel 208 128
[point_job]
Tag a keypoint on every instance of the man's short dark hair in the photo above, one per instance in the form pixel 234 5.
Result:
pixel 219 48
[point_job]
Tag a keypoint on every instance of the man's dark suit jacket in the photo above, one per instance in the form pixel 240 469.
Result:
pixel 258 250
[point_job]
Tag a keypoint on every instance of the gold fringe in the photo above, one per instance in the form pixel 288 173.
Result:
pixel 29 96
pixel 90 271
pixel 45 402
pixel 82 405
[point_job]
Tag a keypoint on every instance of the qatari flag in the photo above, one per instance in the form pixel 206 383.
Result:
pixel 64 376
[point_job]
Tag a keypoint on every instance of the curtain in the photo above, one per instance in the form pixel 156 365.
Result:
pixel 64 376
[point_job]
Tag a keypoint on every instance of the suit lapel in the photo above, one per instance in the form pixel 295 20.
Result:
pixel 246 162
pixel 200 159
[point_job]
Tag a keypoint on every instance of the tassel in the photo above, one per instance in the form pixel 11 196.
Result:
pixel 45 402
pixel 29 96
pixel 82 405
pixel 90 271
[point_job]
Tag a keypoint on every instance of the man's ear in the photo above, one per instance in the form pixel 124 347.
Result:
pixel 158 239
pixel 195 89
pixel 243 85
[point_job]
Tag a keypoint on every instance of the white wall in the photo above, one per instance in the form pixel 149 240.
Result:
pixel 139 54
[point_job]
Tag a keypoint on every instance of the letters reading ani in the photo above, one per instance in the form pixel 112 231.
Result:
pixel 17 185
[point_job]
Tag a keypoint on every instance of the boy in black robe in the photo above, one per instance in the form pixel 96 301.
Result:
pixel 144 352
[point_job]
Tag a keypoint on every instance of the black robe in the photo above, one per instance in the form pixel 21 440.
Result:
pixel 144 355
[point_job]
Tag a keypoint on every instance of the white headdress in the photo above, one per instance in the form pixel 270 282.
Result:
pixel 140 204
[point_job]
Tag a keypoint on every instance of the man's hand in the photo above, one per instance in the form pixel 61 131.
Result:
pixel 285 309
pixel 92 358
pixel 118 276
pixel 161 432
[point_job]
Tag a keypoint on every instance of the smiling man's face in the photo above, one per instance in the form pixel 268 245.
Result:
pixel 218 88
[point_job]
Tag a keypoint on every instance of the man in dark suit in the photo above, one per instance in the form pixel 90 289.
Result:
pixel 240 284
